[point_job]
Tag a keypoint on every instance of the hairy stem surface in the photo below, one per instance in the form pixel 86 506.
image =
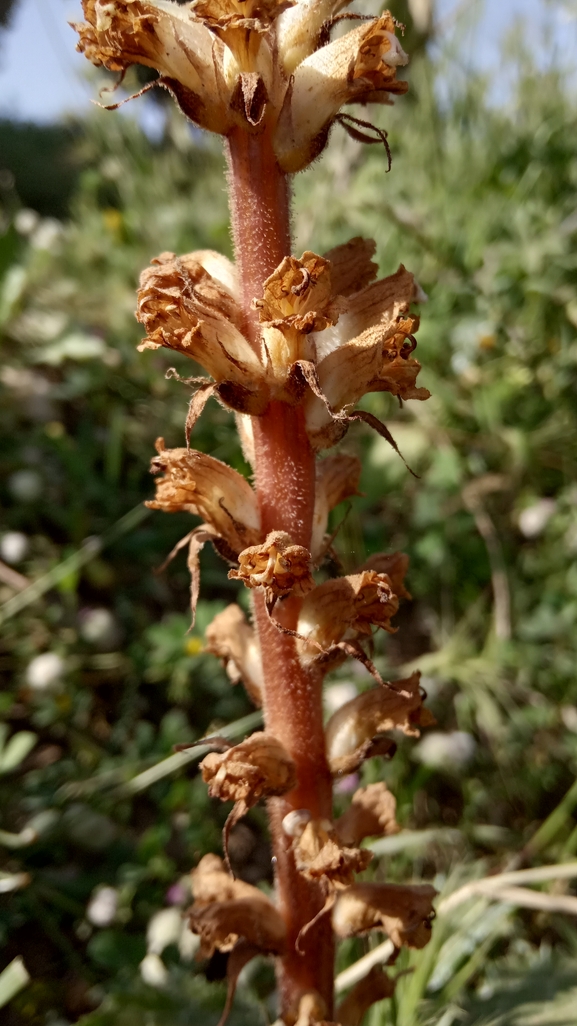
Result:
pixel 285 483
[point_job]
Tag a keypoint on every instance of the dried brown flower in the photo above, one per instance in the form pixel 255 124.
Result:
pixel 337 479
pixel 256 768
pixel 231 638
pixel 320 855
pixel 221 923
pixel 375 986
pixel 370 814
pixel 348 606
pixel 403 912
pixel 351 729
pixel 277 565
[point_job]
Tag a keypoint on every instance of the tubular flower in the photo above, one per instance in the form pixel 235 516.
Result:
pixel 231 638
pixel 277 565
pixel 370 814
pixel 403 912
pixel 345 608
pixel 328 333
pixel 228 62
pixel 350 731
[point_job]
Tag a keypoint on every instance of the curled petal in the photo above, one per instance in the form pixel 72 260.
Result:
pixel 347 606
pixel 395 565
pixel 231 638
pixel 196 483
pixel 350 69
pixel 277 565
pixel 352 266
pixel 370 814
pixel 337 479
pixel 403 912
pixel 221 924
pixel 164 36
pixel 351 729
pixel 375 986
pixel 256 768
pixel 298 294
pixel 320 855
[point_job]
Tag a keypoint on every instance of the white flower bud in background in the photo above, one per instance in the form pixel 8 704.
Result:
pixel 25 485
pixel 337 695
pixel 26 221
pixel 534 519
pixel 153 970
pixel 45 671
pixel 163 929
pixel 13 547
pixel 188 944
pixel 445 751
pixel 99 628
pixel 103 906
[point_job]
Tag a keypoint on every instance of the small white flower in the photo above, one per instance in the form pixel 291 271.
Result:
pixel 534 519
pixel 99 628
pixel 163 929
pixel 25 485
pixel 188 944
pixel 445 751
pixel 26 221
pixel 103 906
pixel 153 970
pixel 45 671
pixel 13 547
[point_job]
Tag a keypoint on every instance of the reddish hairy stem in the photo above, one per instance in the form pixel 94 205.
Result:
pixel 285 484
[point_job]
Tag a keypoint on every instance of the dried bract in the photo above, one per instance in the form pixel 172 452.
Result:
pixel 370 814
pixel 351 729
pixel 277 565
pixel 403 912
pixel 231 638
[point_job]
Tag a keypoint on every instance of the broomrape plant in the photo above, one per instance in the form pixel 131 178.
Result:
pixel 290 345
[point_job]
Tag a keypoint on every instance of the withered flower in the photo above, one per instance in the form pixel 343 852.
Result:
pixel 211 883
pixel 370 814
pixel 231 638
pixel 395 565
pixel 345 607
pixel 357 67
pixel 337 479
pixel 404 912
pixel 256 768
pixel 277 565
pixel 164 36
pixel 320 855
pixel 196 483
pixel 351 729
pixel 375 986
pixel 221 923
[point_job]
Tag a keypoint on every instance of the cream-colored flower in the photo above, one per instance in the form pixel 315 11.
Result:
pixel 403 912
pixel 350 731
pixel 356 67
pixel 231 638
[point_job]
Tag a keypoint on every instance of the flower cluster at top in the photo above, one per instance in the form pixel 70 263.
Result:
pixel 254 63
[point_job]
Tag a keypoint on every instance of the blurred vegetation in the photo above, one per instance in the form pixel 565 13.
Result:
pixel 100 676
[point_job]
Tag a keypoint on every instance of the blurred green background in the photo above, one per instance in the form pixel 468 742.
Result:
pixel 100 678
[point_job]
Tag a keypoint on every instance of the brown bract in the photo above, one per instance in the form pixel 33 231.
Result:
pixel 277 565
pixel 211 883
pixel 221 924
pixel 164 36
pixel 370 814
pixel 320 855
pixel 403 912
pixel 350 731
pixel 193 482
pixel 231 638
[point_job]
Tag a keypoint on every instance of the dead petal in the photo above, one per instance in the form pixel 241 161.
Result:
pixel 320 855
pixel 212 883
pixel 256 768
pixel 278 566
pixel 370 814
pixel 404 912
pixel 345 606
pixel 398 706
pixel 220 924
pixel 394 564
pixel 352 266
